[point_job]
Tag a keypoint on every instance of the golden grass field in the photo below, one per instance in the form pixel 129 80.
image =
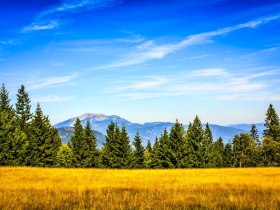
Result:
pixel 45 188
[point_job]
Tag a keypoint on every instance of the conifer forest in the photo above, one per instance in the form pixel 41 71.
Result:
pixel 29 139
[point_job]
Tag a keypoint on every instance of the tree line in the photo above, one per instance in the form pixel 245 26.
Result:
pixel 29 139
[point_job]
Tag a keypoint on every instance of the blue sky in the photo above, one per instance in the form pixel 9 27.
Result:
pixel 144 60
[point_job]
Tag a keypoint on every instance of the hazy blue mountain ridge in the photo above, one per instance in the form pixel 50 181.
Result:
pixel 151 130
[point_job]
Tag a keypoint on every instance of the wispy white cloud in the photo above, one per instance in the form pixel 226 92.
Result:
pixel 51 18
pixel 222 86
pixel 263 74
pixel 135 38
pixel 8 42
pixel 150 51
pixel 86 49
pixel 41 26
pixel 261 52
pixel 78 5
pixel 146 83
pixel 196 57
pixel 262 96
pixel 209 73
pixel 98 45
pixel 52 81
pixel 52 99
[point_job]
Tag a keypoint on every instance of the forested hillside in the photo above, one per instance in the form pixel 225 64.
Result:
pixel 28 139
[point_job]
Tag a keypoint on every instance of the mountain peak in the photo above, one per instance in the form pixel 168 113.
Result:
pixel 97 116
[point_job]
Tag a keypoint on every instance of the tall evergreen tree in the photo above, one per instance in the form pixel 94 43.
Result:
pixel 155 157
pixel 228 156
pixel 116 152
pixel 175 146
pixel 217 154
pixel 23 106
pixel 241 149
pixel 78 144
pixel 255 149
pixel 107 154
pixel 254 134
pixel 12 141
pixel 52 145
pixel 271 140
pixel 208 134
pixel 271 151
pixel 206 147
pixel 125 157
pixel 5 105
pixel 44 141
pixel 148 154
pixel 271 123
pixel 149 146
pixel 167 157
pixel 138 153
pixel 195 137
pixel 92 153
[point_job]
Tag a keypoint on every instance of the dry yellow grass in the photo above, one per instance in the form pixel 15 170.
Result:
pixel 43 188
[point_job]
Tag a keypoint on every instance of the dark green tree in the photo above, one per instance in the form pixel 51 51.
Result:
pixel 91 152
pixel 271 151
pixel 124 147
pixel 271 140
pixel 44 141
pixel 147 155
pixel 228 156
pixel 6 127
pixel 78 144
pixel 149 146
pixel 107 154
pixel 167 157
pixel 12 141
pixel 255 149
pixel 271 123
pixel 254 134
pixel 208 134
pixel 138 153
pixel 241 149
pixel 217 154
pixel 23 106
pixel 116 152
pixel 206 147
pixel 5 105
pixel 194 139
pixel 155 157
pixel 175 146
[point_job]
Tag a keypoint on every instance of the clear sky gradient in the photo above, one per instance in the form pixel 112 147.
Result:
pixel 144 60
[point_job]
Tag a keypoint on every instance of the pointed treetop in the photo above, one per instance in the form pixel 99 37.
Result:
pixel 254 134
pixel 208 134
pixel 271 123
pixel 149 146
pixel 4 100
pixel 23 106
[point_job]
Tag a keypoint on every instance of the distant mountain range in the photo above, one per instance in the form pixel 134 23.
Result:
pixel 99 123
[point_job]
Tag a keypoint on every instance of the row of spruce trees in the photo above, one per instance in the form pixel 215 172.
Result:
pixel 28 139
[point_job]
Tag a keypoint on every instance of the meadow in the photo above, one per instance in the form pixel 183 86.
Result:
pixel 54 188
